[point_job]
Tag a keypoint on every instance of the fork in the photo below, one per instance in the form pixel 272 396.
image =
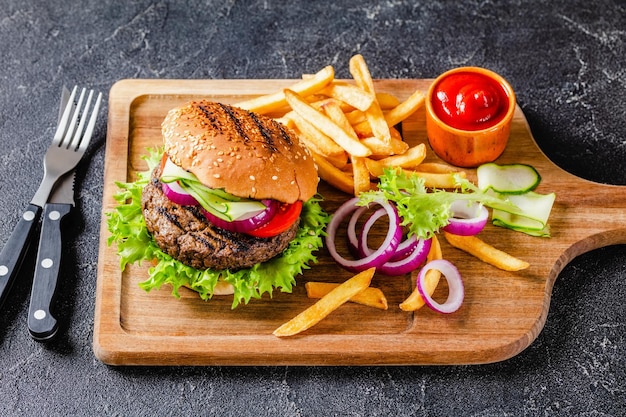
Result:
pixel 68 146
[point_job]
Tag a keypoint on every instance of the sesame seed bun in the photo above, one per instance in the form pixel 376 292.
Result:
pixel 246 154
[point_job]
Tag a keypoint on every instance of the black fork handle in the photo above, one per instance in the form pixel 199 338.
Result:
pixel 15 248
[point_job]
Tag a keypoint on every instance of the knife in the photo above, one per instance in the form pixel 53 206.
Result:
pixel 41 322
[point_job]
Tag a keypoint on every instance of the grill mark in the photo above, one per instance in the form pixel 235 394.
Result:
pixel 236 240
pixel 267 135
pixel 235 121
pixel 210 116
pixel 194 212
pixel 207 243
pixel 285 134
pixel 170 216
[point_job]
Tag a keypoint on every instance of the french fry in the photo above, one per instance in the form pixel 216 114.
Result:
pixel 376 120
pixel 387 101
pixel 364 130
pixel 361 74
pixel 355 117
pixel 349 94
pixel 333 175
pixel 314 138
pixel 395 134
pixel 431 280
pixel 318 104
pixel 486 253
pixel 374 114
pixel 360 175
pixel 394 147
pixel 438 168
pixel 372 297
pixel 375 168
pixel 439 180
pixel 409 159
pixel 287 121
pixel 326 305
pixel 431 180
pixel 405 109
pixel 309 85
pixel 340 161
pixel 352 145
pixel 334 112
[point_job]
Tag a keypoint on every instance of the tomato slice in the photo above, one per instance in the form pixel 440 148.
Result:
pixel 286 215
pixel 163 161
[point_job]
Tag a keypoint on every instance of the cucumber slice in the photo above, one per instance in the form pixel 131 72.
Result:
pixel 172 172
pixel 216 201
pixel 531 215
pixel 507 179
pixel 545 232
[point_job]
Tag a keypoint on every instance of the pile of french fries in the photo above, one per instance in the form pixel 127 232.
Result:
pixel 350 128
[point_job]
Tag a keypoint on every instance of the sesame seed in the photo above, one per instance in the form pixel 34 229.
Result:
pixel 274 177
pixel 252 178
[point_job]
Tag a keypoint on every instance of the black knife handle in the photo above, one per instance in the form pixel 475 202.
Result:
pixel 15 248
pixel 41 322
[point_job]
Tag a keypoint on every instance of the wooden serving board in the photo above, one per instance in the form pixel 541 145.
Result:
pixel 502 314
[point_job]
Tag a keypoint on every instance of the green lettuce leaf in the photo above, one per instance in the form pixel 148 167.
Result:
pixel 135 244
pixel 424 211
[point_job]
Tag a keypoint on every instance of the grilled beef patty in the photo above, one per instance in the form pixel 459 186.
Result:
pixel 185 234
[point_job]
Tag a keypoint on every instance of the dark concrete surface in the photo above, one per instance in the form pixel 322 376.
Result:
pixel 566 61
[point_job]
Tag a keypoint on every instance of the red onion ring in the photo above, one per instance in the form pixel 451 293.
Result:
pixel 353 239
pixel 410 262
pixel 456 291
pixel 404 248
pixel 243 225
pixel 467 219
pixel 379 256
pixel 409 254
pixel 177 194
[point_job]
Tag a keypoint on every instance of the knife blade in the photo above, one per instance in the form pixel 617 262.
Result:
pixel 42 325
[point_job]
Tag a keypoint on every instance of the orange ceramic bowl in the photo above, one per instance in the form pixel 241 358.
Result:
pixel 468 116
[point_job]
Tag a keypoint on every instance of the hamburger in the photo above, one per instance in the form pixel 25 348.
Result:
pixel 228 205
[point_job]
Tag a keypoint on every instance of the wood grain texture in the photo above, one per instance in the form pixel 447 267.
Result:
pixel 502 314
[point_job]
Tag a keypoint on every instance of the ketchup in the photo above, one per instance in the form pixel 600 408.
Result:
pixel 470 101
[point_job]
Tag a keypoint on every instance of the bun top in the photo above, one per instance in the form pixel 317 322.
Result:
pixel 246 154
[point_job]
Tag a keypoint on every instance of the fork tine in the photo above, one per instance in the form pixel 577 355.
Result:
pixel 79 130
pixel 67 139
pixel 90 126
pixel 67 114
